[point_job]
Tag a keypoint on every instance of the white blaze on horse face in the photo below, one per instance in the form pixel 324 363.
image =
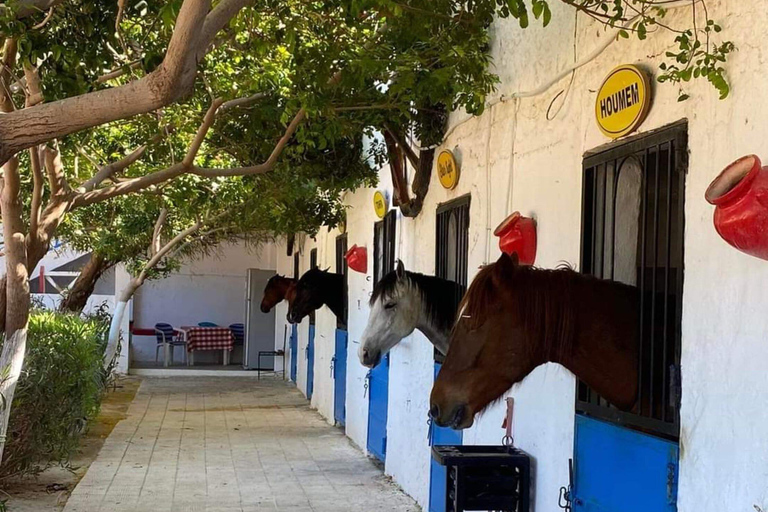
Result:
pixel 391 319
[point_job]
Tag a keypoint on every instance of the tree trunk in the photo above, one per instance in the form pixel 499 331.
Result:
pixel 16 290
pixel 117 318
pixel 81 291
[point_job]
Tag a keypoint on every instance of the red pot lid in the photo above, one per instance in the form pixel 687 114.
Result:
pixel 507 224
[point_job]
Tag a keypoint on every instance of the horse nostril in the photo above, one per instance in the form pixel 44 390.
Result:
pixel 458 415
pixel 434 412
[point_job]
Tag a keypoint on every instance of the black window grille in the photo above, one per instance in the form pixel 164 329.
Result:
pixel 633 232
pixel 341 268
pixel 384 246
pixel 312 264
pixel 452 244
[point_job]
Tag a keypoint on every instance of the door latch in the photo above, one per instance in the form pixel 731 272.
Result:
pixel 565 499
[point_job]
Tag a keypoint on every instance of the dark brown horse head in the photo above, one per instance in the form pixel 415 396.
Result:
pixel 515 318
pixel 314 289
pixel 278 288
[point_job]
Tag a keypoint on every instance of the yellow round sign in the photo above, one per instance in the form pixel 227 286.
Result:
pixel 623 101
pixel 447 169
pixel 380 204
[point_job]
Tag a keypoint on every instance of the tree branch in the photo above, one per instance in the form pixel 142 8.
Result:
pixel 37 189
pixel 412 156
pixel 55 170
pixel 118 72
pixel 30 7
pixel 155 248
pixel 6 69
pixel 262 168
pixel 202 131
pixel 173 79
pixel 217 20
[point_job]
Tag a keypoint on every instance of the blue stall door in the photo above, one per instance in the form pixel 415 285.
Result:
pixel 620 470
pixel 378 392
pixel 294 343
pixel 437 472
pixel 339 366
pixel 310 355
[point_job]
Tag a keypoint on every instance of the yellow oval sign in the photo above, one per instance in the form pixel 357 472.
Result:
pixel 380 204
pixel 623 101
pixel 447 169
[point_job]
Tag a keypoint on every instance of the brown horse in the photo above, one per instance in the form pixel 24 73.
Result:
pixel 315 289
pixel 515 318
pixel 278 288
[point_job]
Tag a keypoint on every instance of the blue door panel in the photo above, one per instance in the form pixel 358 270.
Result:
pixel 294 351
pixel 437 472
pixel 310 354
pixel 340 377
pixel 378 391
pixel 621 470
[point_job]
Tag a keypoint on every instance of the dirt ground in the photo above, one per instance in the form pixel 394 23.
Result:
pixel 49 491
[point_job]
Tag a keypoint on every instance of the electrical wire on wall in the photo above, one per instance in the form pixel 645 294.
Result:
pixel 612 38
pixel 488 186
pixel 565 92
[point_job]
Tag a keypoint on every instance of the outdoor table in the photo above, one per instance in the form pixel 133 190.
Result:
pixel 207 338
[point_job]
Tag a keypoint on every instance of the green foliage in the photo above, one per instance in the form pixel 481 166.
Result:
pixel 59 391
pixel 696 56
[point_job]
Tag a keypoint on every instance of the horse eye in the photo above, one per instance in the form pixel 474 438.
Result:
pixel 390 305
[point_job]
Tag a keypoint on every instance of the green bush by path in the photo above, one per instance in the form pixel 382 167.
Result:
pixel 59 391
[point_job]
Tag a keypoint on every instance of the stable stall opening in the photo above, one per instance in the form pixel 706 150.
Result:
pixel 343 269
pixel 633 231
pixel 384 246
pixel 339 360
pixel 312 264
pixel 377 385
pixel 452 245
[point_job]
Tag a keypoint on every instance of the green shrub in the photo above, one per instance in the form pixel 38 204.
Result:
pixel 59 391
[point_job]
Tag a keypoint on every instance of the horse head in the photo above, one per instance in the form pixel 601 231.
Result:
pixel 515 318
pixel 277 290
pixel 308 295
pixel 395 307
pixel 477 369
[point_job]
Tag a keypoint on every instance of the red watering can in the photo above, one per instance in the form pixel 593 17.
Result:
pixel 518 234
pixel 740 196
pixel 357 259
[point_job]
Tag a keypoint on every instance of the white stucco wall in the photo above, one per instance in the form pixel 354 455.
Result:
pixel 513 150
pixel 210 289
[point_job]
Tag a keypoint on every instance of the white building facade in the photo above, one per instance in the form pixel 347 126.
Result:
pixel 527 154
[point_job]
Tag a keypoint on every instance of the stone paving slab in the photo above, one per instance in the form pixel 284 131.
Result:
pixel 202 444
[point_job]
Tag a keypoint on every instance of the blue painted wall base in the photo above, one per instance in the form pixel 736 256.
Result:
pixel 294 344
pixel 378 393
pixel 310 355
pixel 339 373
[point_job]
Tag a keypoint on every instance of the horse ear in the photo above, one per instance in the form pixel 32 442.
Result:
pixel 400 269
pixel 506 264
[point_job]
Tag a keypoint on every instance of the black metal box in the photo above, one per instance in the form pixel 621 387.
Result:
pixel 485 478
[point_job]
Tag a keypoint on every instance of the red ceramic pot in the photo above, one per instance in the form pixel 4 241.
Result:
pixel 740 195
pixel 357 259
pixel 517 234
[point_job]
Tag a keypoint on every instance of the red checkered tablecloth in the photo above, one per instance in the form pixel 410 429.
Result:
pixel 209 338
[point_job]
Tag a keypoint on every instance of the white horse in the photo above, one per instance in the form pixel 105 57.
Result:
pixel 403 301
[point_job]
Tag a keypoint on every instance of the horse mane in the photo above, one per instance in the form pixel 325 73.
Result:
pixel 439 296
pixel 542 301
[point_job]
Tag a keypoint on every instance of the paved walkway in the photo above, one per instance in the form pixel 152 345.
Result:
pixel 230 445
